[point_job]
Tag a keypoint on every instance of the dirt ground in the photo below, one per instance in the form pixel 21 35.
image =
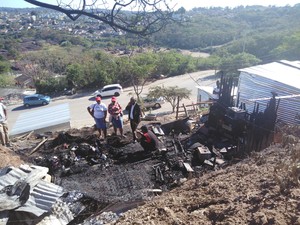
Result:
pixel 9 157
pixel 260 189
pixel 256 190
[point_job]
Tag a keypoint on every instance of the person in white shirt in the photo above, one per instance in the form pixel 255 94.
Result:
pixel 99 112
pixel 4 126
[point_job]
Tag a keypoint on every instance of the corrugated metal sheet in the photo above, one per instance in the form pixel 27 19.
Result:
pixel 41 119
pixel 41 199
pixel 277 71
pixel 43 194
pixel 259 81
pixel 4 217
pixel 11 177
pixel 295 64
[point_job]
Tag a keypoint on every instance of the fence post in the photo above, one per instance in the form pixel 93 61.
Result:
pixel 185 110
pixel 177 111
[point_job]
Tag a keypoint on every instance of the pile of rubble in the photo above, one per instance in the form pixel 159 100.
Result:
pixel 28 197
pixel 115 175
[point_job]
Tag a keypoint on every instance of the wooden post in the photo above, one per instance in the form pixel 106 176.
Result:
pixel 195 109
pixel 38 146
pixel 185 110
pixel 177 111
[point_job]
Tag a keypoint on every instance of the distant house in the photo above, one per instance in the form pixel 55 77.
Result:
pixel 205 93
pixel 24 81
pixel 257 83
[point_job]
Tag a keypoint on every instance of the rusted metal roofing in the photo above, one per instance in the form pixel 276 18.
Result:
pixel 256 84
pixel 46 118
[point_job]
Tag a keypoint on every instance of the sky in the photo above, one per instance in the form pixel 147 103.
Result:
pixel 187 4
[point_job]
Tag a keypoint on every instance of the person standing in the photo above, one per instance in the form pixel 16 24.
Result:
pixel 4 126
pixel 115 111
pixel 98 111
pixel 134 114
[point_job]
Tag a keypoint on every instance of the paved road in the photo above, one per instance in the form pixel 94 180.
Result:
pixel 78 103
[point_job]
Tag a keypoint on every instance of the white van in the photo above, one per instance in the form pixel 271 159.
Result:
pixel 109 90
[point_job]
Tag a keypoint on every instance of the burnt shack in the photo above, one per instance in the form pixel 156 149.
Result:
pixel 95 177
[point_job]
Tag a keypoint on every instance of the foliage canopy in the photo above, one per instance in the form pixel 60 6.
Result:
pixel 171 94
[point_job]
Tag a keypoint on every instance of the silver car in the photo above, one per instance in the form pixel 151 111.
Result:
pixel 152 103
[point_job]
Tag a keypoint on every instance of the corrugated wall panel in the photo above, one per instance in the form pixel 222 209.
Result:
pixel 253 87
pixel 288 110
pixel 42 118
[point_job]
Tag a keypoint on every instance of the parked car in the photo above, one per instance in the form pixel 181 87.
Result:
pixel 36 99
pixel 109 90
pixel 152 103
pixel 70 91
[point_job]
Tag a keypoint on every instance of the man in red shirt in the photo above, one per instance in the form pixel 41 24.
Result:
pixel 148 140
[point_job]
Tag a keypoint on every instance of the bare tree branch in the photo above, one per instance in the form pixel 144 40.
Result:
pixel 141 17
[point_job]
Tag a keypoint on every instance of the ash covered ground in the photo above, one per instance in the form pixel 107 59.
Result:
pixel 262 188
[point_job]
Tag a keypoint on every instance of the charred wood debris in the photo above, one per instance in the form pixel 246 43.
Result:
pixel 119 171
pixel 228 131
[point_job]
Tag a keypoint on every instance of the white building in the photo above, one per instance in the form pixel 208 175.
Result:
pixel 205 93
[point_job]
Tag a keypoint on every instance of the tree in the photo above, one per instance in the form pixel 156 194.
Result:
pixel 4 66
pixel 75 74
pixel 136 71
pixel 140 17
pixel 289 48
pixel 6 80
pixel 140 74
pixel 231 63
pixel 170 94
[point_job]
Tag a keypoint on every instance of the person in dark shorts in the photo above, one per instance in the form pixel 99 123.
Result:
pixel 99 112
